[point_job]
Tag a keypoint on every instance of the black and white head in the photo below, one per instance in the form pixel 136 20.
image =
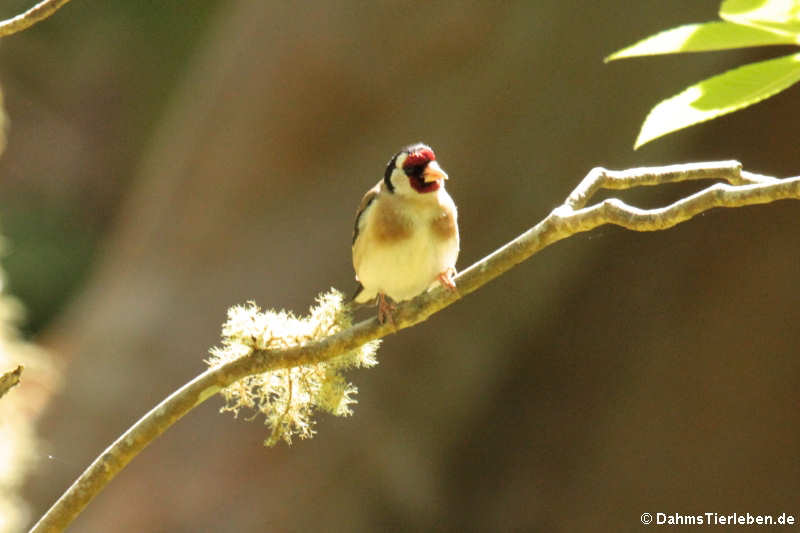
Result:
pixel 414 170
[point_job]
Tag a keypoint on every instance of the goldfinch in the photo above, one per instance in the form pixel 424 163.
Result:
pixel 405 238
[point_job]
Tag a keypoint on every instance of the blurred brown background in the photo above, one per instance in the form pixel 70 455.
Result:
pixel 168 160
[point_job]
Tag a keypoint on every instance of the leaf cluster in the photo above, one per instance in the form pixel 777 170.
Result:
pixel 745 23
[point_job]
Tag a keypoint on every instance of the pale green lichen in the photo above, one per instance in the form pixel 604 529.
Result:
pixel 288 397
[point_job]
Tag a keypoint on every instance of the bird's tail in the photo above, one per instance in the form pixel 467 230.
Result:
pixel 358 297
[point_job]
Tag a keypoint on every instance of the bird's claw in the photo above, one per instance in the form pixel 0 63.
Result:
pixel 446 278
pixel 385 310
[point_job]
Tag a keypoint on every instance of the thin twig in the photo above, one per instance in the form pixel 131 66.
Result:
pixel 9 380
pixel 25 20
pixel 564 221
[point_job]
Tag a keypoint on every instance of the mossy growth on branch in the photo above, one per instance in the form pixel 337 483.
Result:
pixel 288 397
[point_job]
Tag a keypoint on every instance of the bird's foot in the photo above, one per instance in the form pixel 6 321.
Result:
pixel 446 279
pixel 385 310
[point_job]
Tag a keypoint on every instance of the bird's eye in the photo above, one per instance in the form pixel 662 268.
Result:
pixel 414 171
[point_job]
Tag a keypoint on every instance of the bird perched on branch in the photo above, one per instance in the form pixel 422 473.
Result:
pixel 406 233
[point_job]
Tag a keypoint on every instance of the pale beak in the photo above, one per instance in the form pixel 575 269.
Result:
pixel 433 172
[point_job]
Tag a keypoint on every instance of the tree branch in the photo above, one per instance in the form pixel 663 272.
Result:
pixel 9 380
pixel 741 189
pixel 25 20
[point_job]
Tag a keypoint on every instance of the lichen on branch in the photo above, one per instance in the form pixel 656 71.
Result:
pixel 288 397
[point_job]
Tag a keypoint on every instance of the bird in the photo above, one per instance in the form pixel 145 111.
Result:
pixel 405 236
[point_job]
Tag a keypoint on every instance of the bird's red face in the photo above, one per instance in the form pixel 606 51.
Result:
pixel 424 173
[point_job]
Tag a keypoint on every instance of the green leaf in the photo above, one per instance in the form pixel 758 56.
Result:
pixel 719 95
pixel 701 38
pixel 776 15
